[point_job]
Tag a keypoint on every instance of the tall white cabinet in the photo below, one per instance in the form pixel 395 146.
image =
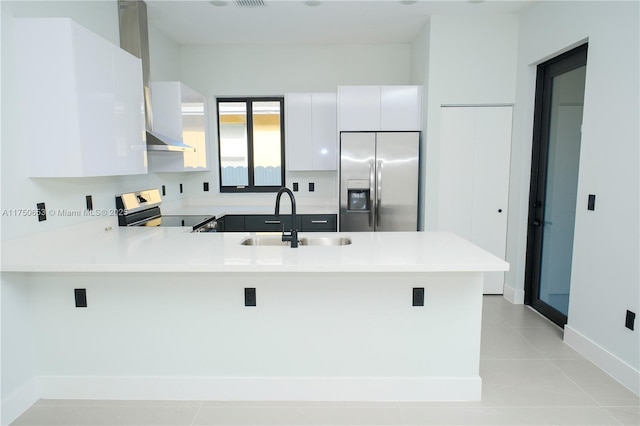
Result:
pixel 81 100
pixel 312 134
pixel 473 178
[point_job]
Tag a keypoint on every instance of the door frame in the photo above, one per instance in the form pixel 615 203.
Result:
pixel 561 64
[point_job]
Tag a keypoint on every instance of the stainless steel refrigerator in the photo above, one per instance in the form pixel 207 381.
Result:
pixel 379 181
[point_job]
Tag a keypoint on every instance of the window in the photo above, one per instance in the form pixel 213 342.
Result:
pixel 251 144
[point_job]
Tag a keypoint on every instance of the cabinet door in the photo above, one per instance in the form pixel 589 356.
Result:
pixel 324 131
pixel 165 101
pixel 400 108
pixel 298 137
pixel 233 223
pixel 193 117
pixel 267 223
pixel 319 223
pixel 359 108
pixel 86 95
pixel 474 179
pixel 129 151
pixel 96 100
pixel 179 113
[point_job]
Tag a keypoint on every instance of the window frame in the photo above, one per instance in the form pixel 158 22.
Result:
pixel 251 187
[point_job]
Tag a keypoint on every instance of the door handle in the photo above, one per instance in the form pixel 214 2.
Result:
pixel 536 223
pixel 379 192
pixel 372 179
pixel 320 222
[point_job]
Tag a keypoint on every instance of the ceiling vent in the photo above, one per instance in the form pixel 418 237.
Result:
pixel 250 3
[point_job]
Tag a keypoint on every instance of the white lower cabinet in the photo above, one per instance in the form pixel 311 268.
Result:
pixel 473 179
pixel 180 113
pixel 311 131
pixel 81 101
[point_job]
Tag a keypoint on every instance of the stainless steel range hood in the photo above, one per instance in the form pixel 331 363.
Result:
pixel 134 38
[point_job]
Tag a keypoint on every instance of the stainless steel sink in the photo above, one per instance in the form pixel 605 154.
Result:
pixel 325 241
pixel 264 240
pixel 276 240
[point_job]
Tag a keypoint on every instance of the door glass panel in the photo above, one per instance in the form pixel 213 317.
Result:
pixel 267 155
pixel 234 161
pixel 565 122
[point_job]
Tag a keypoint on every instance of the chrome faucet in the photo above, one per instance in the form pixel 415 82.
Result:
pixel 293 232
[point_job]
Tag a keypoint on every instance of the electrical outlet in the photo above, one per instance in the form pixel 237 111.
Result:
pixel 81 297
pixel 89 200
pixel 591 203
pixel 312 186
pixel 181 188
pixel 630 320
pixel 42 212
pixel 249 297
pixel 164 190
pixel 418 296
pixel 295 186
pixel 205 187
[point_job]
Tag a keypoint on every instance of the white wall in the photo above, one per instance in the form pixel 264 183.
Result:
pixel 605 276
pixel 21 192
pixel 420 77
pixel 275 70
pixel 472 60
pixel 265 70
pixel 164 57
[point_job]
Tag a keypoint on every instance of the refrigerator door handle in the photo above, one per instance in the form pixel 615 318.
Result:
pixel 379 193
pixel 372 179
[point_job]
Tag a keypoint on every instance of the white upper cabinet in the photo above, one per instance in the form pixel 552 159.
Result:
pixel 311 131
pixel 359 108
pixel 400 108
pixel 180 113
pixel 81 101
pixel 380 108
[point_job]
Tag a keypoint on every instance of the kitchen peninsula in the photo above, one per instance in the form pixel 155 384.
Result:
pixel 174 315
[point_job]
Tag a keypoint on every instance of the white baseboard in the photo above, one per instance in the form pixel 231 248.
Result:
pixel 262 389
pixel 612 365
pixel 513 295
pixel 16 403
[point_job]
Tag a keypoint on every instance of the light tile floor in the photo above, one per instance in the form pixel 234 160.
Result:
pixel 530 377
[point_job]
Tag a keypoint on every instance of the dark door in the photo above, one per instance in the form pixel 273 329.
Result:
pixel 554 182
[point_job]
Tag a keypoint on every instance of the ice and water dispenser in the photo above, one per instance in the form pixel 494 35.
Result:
pixel 358 195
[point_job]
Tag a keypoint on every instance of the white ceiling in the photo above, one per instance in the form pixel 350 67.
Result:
pixel 293 21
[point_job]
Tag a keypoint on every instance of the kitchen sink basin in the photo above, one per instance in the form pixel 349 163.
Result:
pixel 264 240
pixel 276 240
pixel 325 241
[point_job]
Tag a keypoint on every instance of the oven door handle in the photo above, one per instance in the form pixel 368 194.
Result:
pixel 147 219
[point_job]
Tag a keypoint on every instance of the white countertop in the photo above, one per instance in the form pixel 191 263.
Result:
pixel 102 247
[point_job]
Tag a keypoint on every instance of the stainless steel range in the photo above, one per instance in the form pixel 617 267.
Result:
pixel 142 208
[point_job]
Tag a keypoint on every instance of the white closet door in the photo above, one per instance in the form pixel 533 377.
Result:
pixel 491 187
pixel 474 179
